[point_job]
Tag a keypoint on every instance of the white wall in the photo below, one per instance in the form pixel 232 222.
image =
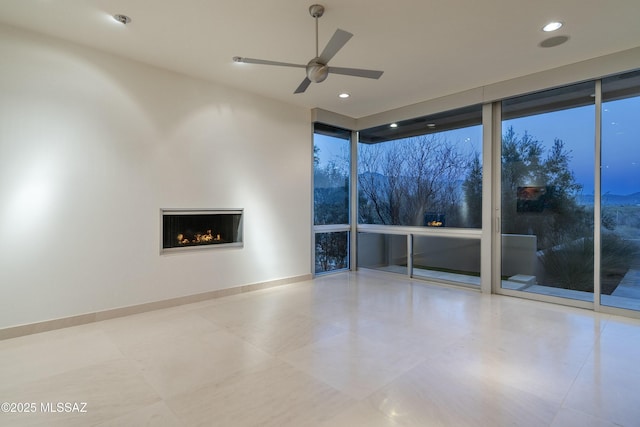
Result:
pixel 92 146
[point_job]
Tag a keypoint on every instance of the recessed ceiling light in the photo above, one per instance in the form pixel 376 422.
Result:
pixel 393 125
pixel 552 26
pixel 123 19
pixel 344 95
pixel 431 125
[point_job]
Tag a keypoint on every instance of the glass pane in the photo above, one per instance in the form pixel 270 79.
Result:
pixel 386 252
pixel 620 226
pixel 331 176
pixel 423 172
pixel 547 192
pixel 332 251
pixel 450 259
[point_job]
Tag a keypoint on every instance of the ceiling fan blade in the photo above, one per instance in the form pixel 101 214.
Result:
pixel 339 39
pixel 303 86
pixel 265 62
pixel 357 72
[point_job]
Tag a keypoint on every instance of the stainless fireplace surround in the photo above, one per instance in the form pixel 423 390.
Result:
pixel 197 229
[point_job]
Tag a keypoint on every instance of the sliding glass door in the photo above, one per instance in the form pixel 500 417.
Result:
pixel 547 179
pixel 620 198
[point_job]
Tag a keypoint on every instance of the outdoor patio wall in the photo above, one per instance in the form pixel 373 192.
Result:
pixel 381 250
pixel 92 146
pixel 372 250
pixel 397 245
pixel 519 254
pixel 447 252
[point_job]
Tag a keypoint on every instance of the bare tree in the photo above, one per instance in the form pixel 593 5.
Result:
pixel 402 180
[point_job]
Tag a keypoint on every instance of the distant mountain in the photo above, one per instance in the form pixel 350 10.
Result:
pixel 612 199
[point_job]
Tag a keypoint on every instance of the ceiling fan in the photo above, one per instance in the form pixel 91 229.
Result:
pixel 318 68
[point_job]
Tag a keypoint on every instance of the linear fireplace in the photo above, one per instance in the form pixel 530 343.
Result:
pixel 200 228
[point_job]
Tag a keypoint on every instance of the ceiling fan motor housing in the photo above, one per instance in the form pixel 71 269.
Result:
pixel 316 71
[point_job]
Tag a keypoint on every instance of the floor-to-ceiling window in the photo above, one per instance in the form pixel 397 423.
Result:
pixel 620 198
pixel 547 180
pixel 331 175
pixel 418 180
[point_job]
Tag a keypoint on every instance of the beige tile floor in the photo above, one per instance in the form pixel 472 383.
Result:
pixel 352 349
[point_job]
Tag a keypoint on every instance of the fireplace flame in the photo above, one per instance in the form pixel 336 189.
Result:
pixel 199 238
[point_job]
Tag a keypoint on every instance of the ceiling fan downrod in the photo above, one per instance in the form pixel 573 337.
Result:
pixel 316 11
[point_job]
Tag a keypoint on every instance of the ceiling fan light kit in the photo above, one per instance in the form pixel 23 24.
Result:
pixel 318 69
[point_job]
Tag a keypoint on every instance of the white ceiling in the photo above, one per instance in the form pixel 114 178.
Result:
pixel 427 49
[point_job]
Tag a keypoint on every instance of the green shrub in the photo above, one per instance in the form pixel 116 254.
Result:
pixel 570 265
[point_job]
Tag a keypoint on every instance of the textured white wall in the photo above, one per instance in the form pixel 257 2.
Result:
pixel 92 146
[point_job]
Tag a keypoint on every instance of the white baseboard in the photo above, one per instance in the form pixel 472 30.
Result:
pixel 65 322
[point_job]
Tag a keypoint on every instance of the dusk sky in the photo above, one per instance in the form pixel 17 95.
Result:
pixel 621 146
pixel 575 127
